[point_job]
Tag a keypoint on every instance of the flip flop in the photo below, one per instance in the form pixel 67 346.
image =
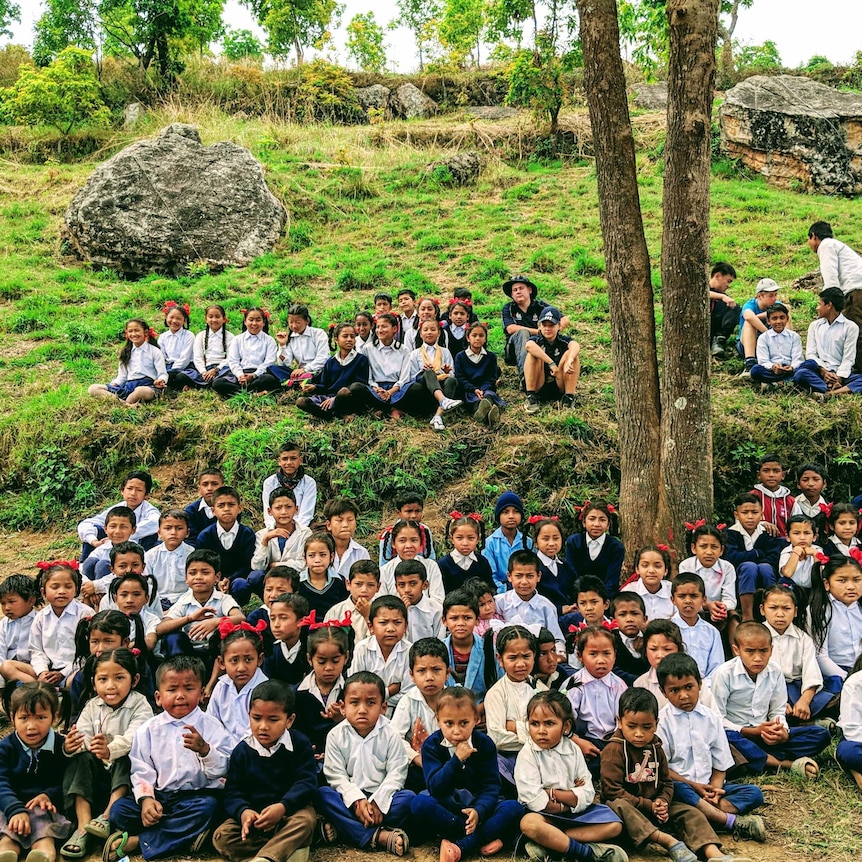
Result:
pixel 99 827
pixel 79 838
pixel 801 764
pixel 200 841
pixel 113 852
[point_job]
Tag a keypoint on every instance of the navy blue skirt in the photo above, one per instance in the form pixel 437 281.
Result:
pixel 124 390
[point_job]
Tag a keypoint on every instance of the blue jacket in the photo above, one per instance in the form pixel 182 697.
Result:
pixel 474 679
pixel 236 562
pixel 767 549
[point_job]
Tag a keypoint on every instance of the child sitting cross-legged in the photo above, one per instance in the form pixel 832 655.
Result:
pixel 365 766
pixel 463 801
pixel 271 782
pixel 699 755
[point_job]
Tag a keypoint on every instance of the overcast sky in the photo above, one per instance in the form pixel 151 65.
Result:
pixel 800 28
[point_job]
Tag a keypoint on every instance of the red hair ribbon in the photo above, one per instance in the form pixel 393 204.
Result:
pixel 135 652
pixel 455 515
pixel 243 311
pixel 534 519
pixel 474 516
pixel 579 627
pixel 434 300
pixel 663 548
pixel 720 527
pixel 312 623
pixel 441 324
pixel 610 625
pixel 826 509
pixel 171 304
pixel 692 527
pixel 48 564
pixel 152 333
pixel 821 558
pixel 227 627
pixel 856 554
pixel 581 510
pixel 453 301
pixel 612 508
pixel 631 580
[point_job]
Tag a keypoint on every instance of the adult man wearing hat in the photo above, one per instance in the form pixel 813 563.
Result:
pixel 521 318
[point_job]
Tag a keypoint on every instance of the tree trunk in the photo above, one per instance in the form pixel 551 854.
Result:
pixel 630 294
pixel 686 429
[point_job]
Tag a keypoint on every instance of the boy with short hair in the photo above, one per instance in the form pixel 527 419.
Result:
pixel 699 755
pixel 281 544
pixel 552 365
pixel 271 783
pixel 386 651
pixel 287 659
pixel 407 317
pixel 752 322
pixel 751 551
pixel 424 614
pixel 134 488
pixel 414 717
pixel 166 562
pixel 276 582
pixel 723 314
pixel 466 648
pixel 119 527
pixel 291 474
pixel 232 541
pixel 523 604
pixel 409 506
pixel 382 303
pixel 776 499
pixel 342 516
pixel 129 558
pixel 702 640
pixel 779 350
pixel 200 513
pixel 750 694
pixel 365 767
pixel 507 538
pixel 363 585
pixel 636 785
pixel 629 613
pixel 179 759
pixel 812 482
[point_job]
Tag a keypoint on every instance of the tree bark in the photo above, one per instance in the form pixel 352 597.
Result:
pixel 686 429
pixel 630 293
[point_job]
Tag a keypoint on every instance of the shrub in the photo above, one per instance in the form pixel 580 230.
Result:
pixel 326 95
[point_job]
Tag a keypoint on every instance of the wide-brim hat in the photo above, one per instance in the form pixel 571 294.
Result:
pixel 519 279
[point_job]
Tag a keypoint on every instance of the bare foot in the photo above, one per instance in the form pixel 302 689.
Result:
pixel 450 852
pixel 396 414
pixel 491 848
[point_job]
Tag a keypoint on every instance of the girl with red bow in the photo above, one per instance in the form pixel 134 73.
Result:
pixel 177 343
pixel 595 549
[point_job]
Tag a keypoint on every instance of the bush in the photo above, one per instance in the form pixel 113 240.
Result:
pixel 12 57
pixel 326 95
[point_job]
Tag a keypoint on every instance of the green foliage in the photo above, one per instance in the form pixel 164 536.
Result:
pixel 63 95
pixel 420 18
pixel 818 63
pixel 241 45
pixel 326 95
pixel 365 43
pixel 755 59
pixel 12 57
pixel 9 12
pixel 460 30
pixel 293 25
pixel 536 82
pixel 853 76
pixel 65 23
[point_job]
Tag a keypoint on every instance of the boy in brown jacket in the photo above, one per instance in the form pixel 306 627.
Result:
pixel 637 786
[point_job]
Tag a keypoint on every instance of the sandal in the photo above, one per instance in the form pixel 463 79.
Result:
pixel 392 841
pixel 78 840
pixel 200 841
pixel 99 827
pixel 328 833
pixel 800 767
pixel 112 851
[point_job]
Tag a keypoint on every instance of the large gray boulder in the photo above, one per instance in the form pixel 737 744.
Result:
pixel 161 204
pixel 795 132
pixel 376 96
pixel 409 101
pixel 651 97
pixel 459 169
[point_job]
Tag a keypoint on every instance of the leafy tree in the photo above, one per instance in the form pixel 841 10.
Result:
pixel 365 43
pixel 536 82
pixel 758 58
pixel 241 45
pixel 9 12
pixel 420 17
pixel 460 29
pixel 63 95
pixel 296 24
pixel 64 23
pixel 12 57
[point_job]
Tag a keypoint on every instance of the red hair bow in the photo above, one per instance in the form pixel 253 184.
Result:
pixel 312 623
pixel 612 508
pixel 821 558
pixel 152 333
pixel 227 627
pixel 455 515
pixel 474 516
pixel 582 510
pixel 579 627
pixel 692 527
pixel 856 554
pixel 441 324
pixel 534 519
pixel 720 527
pixel 663 548
pixel 826 509
pixel 136 652
pixel 48 564
pixel 171 304
pixel 610 625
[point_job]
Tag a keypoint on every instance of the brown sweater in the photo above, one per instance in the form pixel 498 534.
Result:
pixel 637 775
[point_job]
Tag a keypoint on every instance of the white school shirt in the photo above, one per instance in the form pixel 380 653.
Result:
pixel 559 768
pixel 146 522
pixel 802 575
pixel 841 547
pixel 695 742
pixel 15 637
pixel 507 700
pixel 779 348
pixel 160 760
pixel 833 345
pixel 306 500
pixel 385 363
pixel 309 350
pixel 309 684
pixel 256 352
pixel 594 546
pixel 367 656
pixel 178 348
pixel 117 723
pixel 169 569
pixel 425 620
pixel 415 364
pixel 702 643
pixel 227 537
pixel 840 266
pixel 659 606
pixel 269 554
pixel 843 641
pixel 412 706
pixel 353 554
pixel 52 638
pixel 357 621
pixel 649 681
pixel 535 611
pixel 145 361
pixel 432 574
pixel 801 506
pixel 230 706
pixel 150 618
pixel 373 767
pixel 796 656
pixel 595 701
pixel 850 717
pixel 210 351
pixel 748 539
pixel 221 603
pixel 745 702
pixel 720 580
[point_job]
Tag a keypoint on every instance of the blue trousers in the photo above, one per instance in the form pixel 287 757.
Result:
pixel 743 797
pixel 242 588
pixel 807 377
pixel 179 643
pixel 186 814
pixel 752 576
pixel 831 688
pixel 349 828
pixel 765 374
pixel 438 820
pixel 807 741
pixel 849 755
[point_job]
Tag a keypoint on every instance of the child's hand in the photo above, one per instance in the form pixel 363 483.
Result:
pixel 587 748
pixel 151 811
pixel 247 820
pixel 245 379
pixel 223 586
pixel 270 817
pixel 202 630
pixel 446 368
pixel 376 813
pixel 801 711
pixel 718 611
pixel 463 750
pixel 281 337
pixel 580 782
pixel 327 403
pixel 210 374
pixel 659 809
pixel 334 710
pixel 713 794
pixel 363 606
pixel 74 741
pixel 770 529
pixel 88 588
pixel 99 746
pixel 159 384
pixel 52 677
pixel 419 735
pixel 472 816
pixel 772 732
pixel 511 726
pixel 394 688
pixel 194 741
pixel 200 614
pixel 362 810
pixel 19 824
pixel 42 801
pixel 95 543
pixel 479 394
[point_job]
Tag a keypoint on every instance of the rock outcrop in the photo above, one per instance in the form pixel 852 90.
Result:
pixel 409 101
pixel 376 96
pixel 460 169
pixel 651 97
